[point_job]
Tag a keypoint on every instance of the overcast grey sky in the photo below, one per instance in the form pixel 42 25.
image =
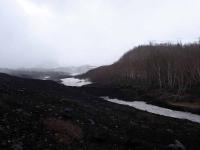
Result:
pixel 96 32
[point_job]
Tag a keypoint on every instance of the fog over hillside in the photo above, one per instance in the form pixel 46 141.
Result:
pixel 99 75
pixel 62 33
pixel 47 73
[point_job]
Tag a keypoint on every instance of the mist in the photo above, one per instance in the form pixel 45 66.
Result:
pixel 51 33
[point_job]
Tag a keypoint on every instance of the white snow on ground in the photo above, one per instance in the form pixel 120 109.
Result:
pixel 157 110
pixel 75 82
pixel 46 77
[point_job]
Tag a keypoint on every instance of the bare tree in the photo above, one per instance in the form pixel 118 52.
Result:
pixel 170 66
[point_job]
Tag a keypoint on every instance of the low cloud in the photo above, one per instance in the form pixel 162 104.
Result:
pixel 96 32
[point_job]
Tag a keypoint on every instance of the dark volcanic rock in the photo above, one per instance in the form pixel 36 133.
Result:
pixel 176 146
pixel 34 119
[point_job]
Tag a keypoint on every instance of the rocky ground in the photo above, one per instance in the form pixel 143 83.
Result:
pixel 41 115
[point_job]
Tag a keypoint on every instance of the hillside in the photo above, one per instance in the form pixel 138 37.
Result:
pixel 42 74
pixel 165 66
pixel 36 114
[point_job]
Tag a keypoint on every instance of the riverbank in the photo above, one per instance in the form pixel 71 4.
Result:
pixel 188 102
pixel 141 105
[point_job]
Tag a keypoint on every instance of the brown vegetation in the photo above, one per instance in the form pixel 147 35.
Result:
pixel 65 131
pixel 172 66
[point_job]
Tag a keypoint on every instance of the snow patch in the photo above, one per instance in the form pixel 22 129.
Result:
pixel 75 82
pixel 46 77
pixel 157 110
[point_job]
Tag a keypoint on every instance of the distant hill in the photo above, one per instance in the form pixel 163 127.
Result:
pixel 47 73
pixel 74 70
pixel 159 65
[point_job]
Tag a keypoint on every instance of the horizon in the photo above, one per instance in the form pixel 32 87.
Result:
pixel 48 67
